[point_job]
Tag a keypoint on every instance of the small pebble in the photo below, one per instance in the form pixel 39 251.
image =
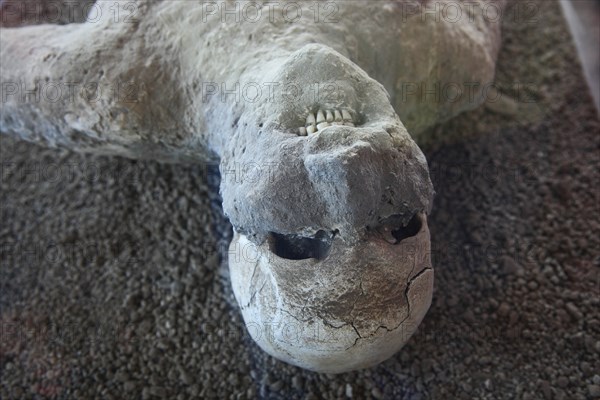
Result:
pixel 277 386
pixel 158 391
pixel 348 390
pixel 532 285
pixel 546 389
pixel 574 311
pixel 297 382
pixel 562 382
pixel 594 391
pixel 504 309
pixel 377 393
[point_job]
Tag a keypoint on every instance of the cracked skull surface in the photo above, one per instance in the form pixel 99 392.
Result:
pixel 327 192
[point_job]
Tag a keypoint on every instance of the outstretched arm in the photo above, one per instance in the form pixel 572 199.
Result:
pixel 94 86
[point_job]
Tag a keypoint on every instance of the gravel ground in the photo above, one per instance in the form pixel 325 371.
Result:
pixel 113 285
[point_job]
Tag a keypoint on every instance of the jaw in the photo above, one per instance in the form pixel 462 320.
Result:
pixel 352 307
pixel 340 178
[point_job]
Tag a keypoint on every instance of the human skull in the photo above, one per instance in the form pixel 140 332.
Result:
pixel 330 263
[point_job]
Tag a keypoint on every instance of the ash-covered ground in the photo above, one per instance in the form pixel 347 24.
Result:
pixel 113 285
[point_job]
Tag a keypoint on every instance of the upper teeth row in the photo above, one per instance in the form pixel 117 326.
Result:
pixel 323 119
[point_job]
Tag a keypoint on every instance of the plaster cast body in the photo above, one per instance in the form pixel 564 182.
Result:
pixel 335 218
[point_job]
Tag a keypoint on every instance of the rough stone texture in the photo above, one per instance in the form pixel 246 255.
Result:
pixel 517 202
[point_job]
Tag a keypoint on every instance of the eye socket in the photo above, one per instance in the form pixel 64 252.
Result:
pixel 411 229
pixel 394 231
pixel 296 247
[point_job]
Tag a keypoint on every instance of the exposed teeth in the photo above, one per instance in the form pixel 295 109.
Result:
pixel 322 125
pixel 322 119
pixel 338 116
pixel 329 116
pixel 346 116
